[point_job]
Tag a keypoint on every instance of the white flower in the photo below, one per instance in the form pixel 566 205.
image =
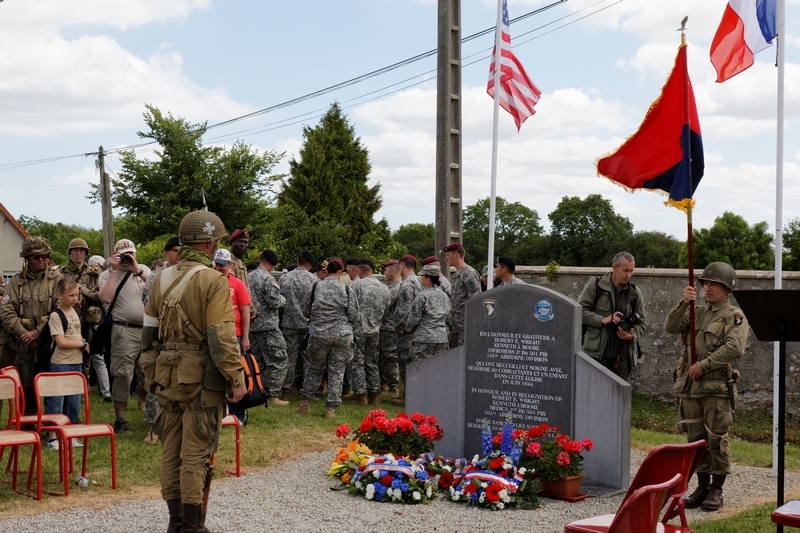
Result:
pixel 500 505
pixel 416 495
pixel 507 466
pixel 389 457
pixel 482 497
pixel 455 495
pixel 377 474
pixel 448 468
pixel 358 485
pixel 522 470
pixel 503 494
pixel 370 492
pixel 475 459
pixel 390 492
pixel 428 491
pixel 484 485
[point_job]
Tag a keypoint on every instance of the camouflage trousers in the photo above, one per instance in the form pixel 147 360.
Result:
pixel 387 358
pixel 269 349
pixel 710 418
pixel 403 354
pixel 423 350
pixel 189 435
pixel 364 373
pixel 331 354
pixel 292 337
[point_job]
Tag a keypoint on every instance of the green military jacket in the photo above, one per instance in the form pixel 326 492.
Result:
pixel 27 304
pixel 720 339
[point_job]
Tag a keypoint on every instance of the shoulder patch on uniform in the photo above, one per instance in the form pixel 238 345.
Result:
pixel 6 299
pixel 737 319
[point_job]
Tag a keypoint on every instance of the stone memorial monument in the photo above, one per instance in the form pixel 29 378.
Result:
pixel 522 356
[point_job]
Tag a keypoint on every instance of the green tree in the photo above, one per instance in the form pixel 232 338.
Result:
pixel 654 249
pixel 156 194
pixel 587 232
pixel 515 224
pixel 329 184
pixel 59 235
pixel 791 245
pixel 733 241
pixel 418 239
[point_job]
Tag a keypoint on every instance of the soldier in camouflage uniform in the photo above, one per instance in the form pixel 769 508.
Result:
pixel 373 299
pixel 191 361
pixel 707 388
pixel 266 340
pixel 331 308
pixel 6 353
pixel 430 316
pixel 504 271
pixel 295 286
pixel 444 283
pixel 239 242
pixel 25 309
pixel 387 359
pixel 409 287
pixel 86 276
pixel 466 284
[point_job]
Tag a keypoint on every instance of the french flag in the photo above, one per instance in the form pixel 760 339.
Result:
pixel 747 27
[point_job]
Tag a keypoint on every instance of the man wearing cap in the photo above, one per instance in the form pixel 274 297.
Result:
pixel 504 270
pixel 241 302
pixel 430 316
pixel 86 277
pixel 351 265
pixel 25 308
pixel 444 283
pixel 466 284
pixel 614 317
pixel 295 286
pixel 267 343
pixel 409 287
pixel 387 358
pixel 125 274
pixel 172 253
pixel 240 242
pixel 373 299
pixel 707 387
pixel 192 366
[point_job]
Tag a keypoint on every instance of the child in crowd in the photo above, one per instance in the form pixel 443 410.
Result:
pixel 67 355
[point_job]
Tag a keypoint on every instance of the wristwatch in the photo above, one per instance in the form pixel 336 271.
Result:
pixel 85 344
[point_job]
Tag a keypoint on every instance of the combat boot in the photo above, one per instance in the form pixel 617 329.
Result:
pixel 714 499
pixel 696 499
pixel 149 436
pixel 274 400
pixel 374 399
pixel 360 399
pixel 303 409
pixel 349 396
pixel 330 412
pixel 175 516
pixel 191 520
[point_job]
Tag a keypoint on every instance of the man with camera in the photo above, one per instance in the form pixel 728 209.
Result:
pixel 613 317
pixel 124 284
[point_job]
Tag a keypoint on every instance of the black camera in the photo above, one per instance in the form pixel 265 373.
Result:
pixel 126 259
pixel 629 321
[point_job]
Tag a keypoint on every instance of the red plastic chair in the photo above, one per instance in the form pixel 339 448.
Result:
pixel 232 421
pixel 15 438
pixel 661 464
pixel 638 513
pixel 65 384
pixel 787 514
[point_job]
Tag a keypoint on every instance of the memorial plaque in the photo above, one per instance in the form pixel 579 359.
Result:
pixel 520 345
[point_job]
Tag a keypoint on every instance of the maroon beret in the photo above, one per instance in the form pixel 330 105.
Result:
pixel 390 262
pixel 409 257
pixel 452 247
pixel 430 259
pixel 238 234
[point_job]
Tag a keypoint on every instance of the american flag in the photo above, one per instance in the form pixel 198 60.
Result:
pixel 518 94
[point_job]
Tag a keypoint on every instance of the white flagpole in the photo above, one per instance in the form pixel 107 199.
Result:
pixel 495 124
pixel 781 24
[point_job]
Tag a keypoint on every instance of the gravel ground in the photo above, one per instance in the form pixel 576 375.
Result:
pixel 295 497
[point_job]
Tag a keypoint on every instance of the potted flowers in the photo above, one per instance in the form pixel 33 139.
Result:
pixel 406 436
pixel 556 458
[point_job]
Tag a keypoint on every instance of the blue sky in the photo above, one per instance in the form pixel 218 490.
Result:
pixel 78 74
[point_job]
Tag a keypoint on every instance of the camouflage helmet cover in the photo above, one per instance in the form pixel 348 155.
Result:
pixel 720 272
pixel 35 246
pixel 201 226
pixel 77 243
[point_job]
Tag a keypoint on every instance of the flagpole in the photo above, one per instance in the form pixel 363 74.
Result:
pixel 495 126
pixel 690 237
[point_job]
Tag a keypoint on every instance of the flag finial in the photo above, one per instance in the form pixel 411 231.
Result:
pixel 682 29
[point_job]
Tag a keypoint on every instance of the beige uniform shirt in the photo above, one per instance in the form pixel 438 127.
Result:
pixel 27 304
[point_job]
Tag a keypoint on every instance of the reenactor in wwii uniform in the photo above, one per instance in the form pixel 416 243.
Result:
pixel 409 287
pixel 6 353
pixel 266 340
pixel 430 316
pixel 295 286
pixel 373 299
pixel 707 388
pixel 331 308
pixel 444 283
pixel 387 359
pixel 191 362
pixel 240 242
pixel 86 277
pixel 25 309
pixel 466 284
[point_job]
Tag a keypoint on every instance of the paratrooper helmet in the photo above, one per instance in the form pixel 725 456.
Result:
pixel 721 273
pixel 35 246
pixel 201 226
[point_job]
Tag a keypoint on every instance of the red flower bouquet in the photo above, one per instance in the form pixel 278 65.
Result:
pixel 401 436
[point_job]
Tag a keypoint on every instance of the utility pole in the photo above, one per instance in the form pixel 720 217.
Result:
pixel 448 128
pixel 105 202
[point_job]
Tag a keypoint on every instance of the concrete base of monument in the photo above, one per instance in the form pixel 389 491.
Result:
pixel 599 490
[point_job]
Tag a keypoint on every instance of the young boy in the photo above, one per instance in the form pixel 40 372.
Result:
pixel 67 356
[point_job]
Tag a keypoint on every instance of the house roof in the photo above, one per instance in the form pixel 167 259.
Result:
pixel 13 221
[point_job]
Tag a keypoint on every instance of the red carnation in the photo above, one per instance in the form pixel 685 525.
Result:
pixel 375 413
pixel 365 426
pixel 390 426
pixel 402 415
pixel 418 418
pixel 432 420
pixel 497 439
pixel 493 492
pixel 517 434
pixel 497 463
pixel 588 444
pixel 343 431
pixel 534 433
pixel 561 440
pixel 446 479
pixel 380 460
pixel 470 488
pixel 406 425
pixel 386 480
